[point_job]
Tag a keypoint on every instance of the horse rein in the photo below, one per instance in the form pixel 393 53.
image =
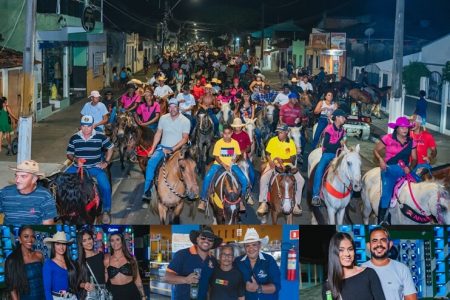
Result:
pixel 171 188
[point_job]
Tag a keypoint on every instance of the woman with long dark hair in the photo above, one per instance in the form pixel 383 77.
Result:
pixel 88 256
pixel 325 109
pixel 346 280
pixel 60 274
pixel 23 268
pixel 124 280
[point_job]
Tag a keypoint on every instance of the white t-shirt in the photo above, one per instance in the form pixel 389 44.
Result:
pixel 189 101
pixel 305 86
pixel 96 111
pixel 281 98
pixel 172 130
pixel 162 91
pixel 395 279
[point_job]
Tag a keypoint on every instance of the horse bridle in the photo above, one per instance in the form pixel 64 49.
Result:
pixel 208 129
pixel 283 200
pixel 180 176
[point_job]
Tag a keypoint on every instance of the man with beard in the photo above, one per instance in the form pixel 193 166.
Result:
pixel 395 276
pixel 180 271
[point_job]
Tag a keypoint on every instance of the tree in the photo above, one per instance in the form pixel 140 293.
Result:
pixel 411 76
pixel 446 72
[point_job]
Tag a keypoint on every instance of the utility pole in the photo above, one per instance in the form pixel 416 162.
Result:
pixel 26 111
pixel 164 26
pixel 396 101
pixel 262 37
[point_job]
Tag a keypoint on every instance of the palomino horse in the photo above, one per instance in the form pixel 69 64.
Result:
pixel 203 136
pixel 143 142
pixel 250 127
pixel 225 200
pixel 295 134
pixel 226 114
pixel 342 176
pixel 126 129
pixel 417 203
pixel 282 193
pixel 77 197
pixel 176 180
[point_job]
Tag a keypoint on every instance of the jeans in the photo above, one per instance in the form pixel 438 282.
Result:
pixel 251 172
pixel 215 121
pixel 192 120
pixel 112 116
pixel 321 125
pixel 320 170
pixel 153 162
pixel 389 178
pixel 153 126
pixel 103 184
pixel 213 170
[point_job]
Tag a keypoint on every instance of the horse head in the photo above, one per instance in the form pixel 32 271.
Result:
pixel 295 134
pixel 250 127
pixel 286 191
pixel 124 120
pixel 204 122
pixel 230 198
pixel 226 112
pixel 349 165
pixel 269 112
pixel 187 167
pixel 437 198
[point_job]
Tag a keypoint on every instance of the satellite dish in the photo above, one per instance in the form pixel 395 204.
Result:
pixel 369 31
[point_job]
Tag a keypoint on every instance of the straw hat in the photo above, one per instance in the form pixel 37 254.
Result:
pixel 208 86
pixel 252 236
pixel 162 78
pixel 214 80
pixel 59 237
pixel 237 122
pixel 294 79
pixel 28 166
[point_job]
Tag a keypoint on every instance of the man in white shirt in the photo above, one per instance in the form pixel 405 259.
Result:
pixel 163 91
pixel 395 276
pixel 186 103
pixel 280 100
pixel 305 85
pixel 97 110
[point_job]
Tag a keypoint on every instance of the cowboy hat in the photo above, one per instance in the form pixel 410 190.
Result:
pixel 135 81
pixel 237 122
pixel 261 76
pixel 205 231
pixel 162 78
pixel 59 237
pixel 28 166
pixel 208 86
pixel 401 122
pixel 294 79
pixel 252 236
pixel 214 80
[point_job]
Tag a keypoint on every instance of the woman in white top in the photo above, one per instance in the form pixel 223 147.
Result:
pixel 325 108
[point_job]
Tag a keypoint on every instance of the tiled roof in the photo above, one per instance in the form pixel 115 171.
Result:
pixel 10 58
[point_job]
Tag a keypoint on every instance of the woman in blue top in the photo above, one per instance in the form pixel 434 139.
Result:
pixel 23 268
pixel 60 276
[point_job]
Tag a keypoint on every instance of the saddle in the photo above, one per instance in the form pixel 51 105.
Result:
pixel 215 181
pixel 328 186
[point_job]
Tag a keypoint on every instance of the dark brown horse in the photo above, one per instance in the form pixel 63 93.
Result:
pixel 125 131
pixel 225 200
pixel 176 181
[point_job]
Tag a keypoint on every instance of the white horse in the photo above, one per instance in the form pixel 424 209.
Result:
pixel 269 112
pixel 226 115
pixel 344 175
pixel 250 127
pixel 295 134
pixel 431 197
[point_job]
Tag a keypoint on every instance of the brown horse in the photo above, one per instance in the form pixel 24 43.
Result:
pixel 176 180
pixel 125 131
pixel 367 103
pixel 282 193
pixel 144 141
pixel 225 200
pixel 439 173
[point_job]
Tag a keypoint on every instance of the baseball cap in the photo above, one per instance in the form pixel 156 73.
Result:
pixel 87 120
pixel 173 101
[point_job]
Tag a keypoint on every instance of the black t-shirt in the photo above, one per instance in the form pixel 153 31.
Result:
pixel 364 285
pixel 110 104
pixel 97 266
pixel 226 285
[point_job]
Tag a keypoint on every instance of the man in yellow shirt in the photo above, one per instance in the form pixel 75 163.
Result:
pixel 226 152
pixel 283 148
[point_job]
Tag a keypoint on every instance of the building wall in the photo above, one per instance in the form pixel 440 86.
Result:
pixel 96 62
pixel 298 49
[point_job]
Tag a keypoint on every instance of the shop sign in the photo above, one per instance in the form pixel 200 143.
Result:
pixel 88 19
pixel 338 40
pixel 294 234
pixel 98 63
pixel 319 40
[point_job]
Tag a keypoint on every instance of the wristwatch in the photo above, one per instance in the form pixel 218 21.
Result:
pixel 259 289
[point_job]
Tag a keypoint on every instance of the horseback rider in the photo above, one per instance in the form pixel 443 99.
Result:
pixel 97 110
pixel 147 114
pixel 130 100
pixel 325 108
pixel 333 140
pixel 187 103
pixel 111 106
pixel 400 151
pixel 173 133
pixel 291 114
pixel 305 85
pixel 244 145
pixel 163 92
pixel 208 103
pixel 226 152
pixel 85 150
pixel 281 99
pixel 279 147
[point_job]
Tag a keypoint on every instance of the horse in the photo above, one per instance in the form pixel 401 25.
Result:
pixel 342 177
pixel 282 193
pixel 226 115
pixel 143 142
pixel 263 124
pixel 269 111
pixel 126 129
pixel 77 197
pixel 368 103
pixel 204 134
pixel 225 200
pixel 417 203
pixel 295 134
pixel 175 180
pixel 250 129
pixel 440 173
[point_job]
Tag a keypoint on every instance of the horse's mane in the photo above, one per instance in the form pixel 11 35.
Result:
pixel 146 134
pixel 336 162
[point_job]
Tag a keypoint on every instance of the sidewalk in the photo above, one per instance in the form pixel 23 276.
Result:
pixel 379 128
pixel 49 141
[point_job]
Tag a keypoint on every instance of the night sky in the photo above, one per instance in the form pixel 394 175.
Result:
pixel 215 17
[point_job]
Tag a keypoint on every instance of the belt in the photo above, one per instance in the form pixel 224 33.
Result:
pixel 62 294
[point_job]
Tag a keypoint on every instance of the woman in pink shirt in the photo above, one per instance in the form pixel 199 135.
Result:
pixel 130 99
pixel 147 113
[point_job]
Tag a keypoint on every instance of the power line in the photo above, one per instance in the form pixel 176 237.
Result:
pixel 14 27
pixel 104 16
pixel 129 15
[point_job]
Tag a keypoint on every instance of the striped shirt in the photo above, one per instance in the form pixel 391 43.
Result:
pixel 29 209
pixel 90 149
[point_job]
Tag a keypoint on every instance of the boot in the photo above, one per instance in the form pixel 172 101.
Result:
pixel 202 205
pixel 381 215
pixel 250 200
pixel 262 209
pixel 241 207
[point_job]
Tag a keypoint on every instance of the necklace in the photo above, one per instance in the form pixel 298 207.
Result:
pixel 117 258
